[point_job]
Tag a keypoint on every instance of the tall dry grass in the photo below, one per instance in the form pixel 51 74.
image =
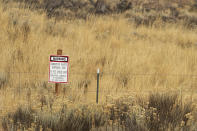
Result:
pixel 112 43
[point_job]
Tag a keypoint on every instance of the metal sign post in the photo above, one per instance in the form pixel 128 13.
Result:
pixel 97 91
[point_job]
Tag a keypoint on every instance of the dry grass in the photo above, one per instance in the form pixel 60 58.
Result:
pixel 163 112
pixel 112 43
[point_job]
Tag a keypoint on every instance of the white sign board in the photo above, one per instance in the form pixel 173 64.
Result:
pixel 58 69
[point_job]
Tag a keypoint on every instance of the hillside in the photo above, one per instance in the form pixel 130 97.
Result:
pixel 138 11
pixel 146 53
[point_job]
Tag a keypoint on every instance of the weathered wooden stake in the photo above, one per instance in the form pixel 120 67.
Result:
pixel 59 52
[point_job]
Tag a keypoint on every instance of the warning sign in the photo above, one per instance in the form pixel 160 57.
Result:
pixel 58 70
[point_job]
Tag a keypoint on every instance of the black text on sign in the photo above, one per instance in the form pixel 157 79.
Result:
pixel 58 69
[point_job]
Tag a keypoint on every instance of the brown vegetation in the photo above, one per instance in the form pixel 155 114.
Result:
pixel 163 112
pixel 138 47
pixel 140 12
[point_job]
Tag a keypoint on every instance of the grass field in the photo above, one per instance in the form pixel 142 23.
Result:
pixel 148 71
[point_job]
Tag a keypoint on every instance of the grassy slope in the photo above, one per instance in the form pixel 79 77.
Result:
pixel 110 43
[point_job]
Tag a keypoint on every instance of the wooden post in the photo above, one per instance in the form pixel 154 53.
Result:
pixel 59 52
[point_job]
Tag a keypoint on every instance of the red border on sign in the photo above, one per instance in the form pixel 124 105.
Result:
pixel 60 62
